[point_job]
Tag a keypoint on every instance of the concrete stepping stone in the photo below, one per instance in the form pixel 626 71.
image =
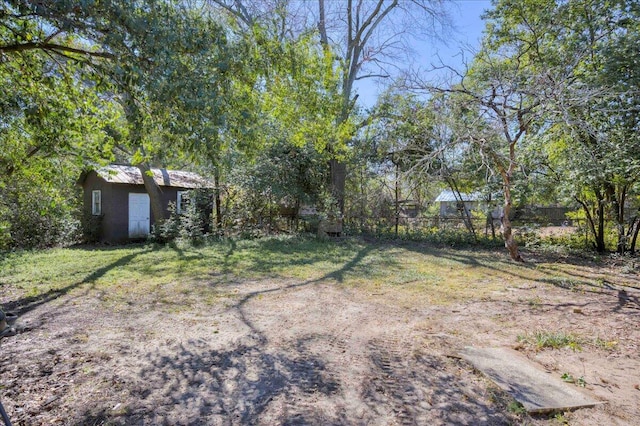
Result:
pixel 537 390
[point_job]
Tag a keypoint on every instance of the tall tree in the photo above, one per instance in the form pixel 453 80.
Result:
pixel 166 64
pixel 593 96
pixel 53 121
pixel 365 38
pixel 53 108
pixel 173 64
pixel 492 110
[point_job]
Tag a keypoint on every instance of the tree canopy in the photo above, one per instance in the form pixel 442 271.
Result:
pixel 264 94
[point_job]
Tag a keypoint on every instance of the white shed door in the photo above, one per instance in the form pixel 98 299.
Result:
pixel 139 213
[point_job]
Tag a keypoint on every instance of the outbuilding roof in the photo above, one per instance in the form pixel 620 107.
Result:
pixel 449 196
pixel 131 175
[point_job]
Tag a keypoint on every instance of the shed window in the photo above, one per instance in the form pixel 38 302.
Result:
pixel 96 202
pixel 182 202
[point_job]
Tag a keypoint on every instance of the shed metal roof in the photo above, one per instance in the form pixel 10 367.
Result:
pixel 449 196
pixel 131 175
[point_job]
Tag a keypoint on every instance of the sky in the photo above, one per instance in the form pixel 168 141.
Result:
pixel 466 17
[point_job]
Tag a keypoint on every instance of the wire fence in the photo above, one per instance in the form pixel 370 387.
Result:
pixel 552 225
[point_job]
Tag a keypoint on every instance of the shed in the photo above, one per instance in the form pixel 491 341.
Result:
pixel 451 202
pixel 116 202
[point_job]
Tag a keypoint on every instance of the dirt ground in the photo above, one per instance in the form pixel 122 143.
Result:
pixel 312 352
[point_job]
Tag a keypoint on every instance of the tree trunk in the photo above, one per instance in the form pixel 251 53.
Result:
pixel 598 232
pixel 397 196
pixel 636 229
pixel 618 206
pixel 155 194
pixel 338 180
pixel 493 228
pixel 507 231
pixel 617 212
pixel 135 122
pixel 465 214
pixel 507 234
pixel 600 244
pixel 363 199
pixel 216 192
pixel 490 220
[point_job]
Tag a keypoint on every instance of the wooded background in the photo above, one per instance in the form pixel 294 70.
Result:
pixel 259 97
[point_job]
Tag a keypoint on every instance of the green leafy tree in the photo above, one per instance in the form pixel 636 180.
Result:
pixel 166 65
pixel 583 51
pixel 361 39
pixel 400 136
pixel 54 121
pixel 293 104
pixel 491 112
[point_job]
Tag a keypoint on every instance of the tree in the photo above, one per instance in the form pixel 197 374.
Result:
pixel 590 129
pixel 401 132
pixel 53 108
pixel 362 37
pixel 166 65
pixel 492 109
pixel 53 121
pixel 539 73
pixel 172 66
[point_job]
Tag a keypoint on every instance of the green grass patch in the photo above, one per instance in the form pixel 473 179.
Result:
pixel 176 277
pixel 605 344
pixel 543 339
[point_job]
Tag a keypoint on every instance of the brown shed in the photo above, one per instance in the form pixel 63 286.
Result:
pixel 117 202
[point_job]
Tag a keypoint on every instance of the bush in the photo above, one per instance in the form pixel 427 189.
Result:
pixel 91 227
pixel 36 217
pixel 440 236
pixel 187 227
pixel 533 237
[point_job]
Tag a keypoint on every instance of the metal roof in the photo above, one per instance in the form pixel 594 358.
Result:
pixel 449 196
pixel 163 177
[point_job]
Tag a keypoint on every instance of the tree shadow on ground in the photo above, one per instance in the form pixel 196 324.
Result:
pixel 337 275
pixel 271 255
pixel 194 383
pixel 595 281
pixel 255 381
pixel 28 304
pixel 424 390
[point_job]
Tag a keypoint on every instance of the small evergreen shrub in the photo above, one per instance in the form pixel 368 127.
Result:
pixel 186 227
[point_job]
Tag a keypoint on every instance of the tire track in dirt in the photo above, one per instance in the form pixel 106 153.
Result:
pixel 389 385
pixel 286 351
pixel 311 385
pixel 345 350
pixel 316 385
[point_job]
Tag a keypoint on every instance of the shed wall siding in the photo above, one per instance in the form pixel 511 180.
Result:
pixel 115 205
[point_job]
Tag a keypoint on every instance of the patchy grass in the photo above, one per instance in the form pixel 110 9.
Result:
pixel 605 344
pixel 268 317
pixel 188 275
pixel 543 339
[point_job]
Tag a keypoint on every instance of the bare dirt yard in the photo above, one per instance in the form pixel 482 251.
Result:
pixel 365 335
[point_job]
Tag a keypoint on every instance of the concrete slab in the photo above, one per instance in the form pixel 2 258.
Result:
pixel 537 390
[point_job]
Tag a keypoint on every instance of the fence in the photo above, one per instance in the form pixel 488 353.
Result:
pixel 522 218
pixel 371 225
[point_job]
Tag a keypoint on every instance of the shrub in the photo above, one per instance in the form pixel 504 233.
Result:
pixel 186 227
pixel 36 217
pixel 91 227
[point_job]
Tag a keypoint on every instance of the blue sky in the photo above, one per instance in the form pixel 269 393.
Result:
pixel 465 15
